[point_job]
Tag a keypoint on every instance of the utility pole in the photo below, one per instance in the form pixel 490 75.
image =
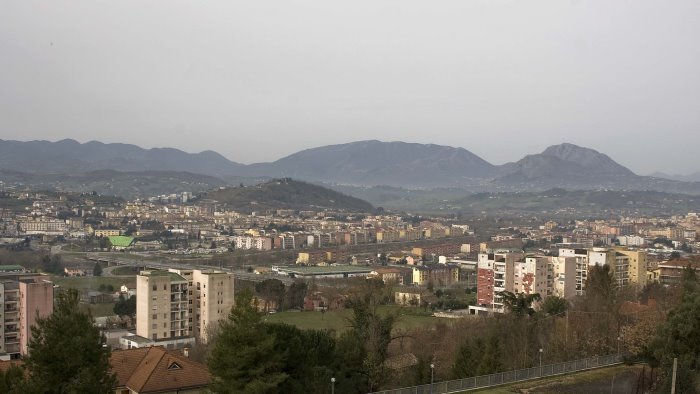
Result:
pixel 432 370
pixel 673 379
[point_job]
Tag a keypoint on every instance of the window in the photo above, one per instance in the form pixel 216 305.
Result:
pixel 165 287
pixel 154 326
pixel 155 316
pixel 155 287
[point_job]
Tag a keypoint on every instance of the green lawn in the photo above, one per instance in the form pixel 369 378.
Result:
pixel 592 381
pixel 126 270
pixel 93 283
pixel 338 320
pixel 98 310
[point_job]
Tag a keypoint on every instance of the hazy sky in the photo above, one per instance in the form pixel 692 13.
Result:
pixel 257 80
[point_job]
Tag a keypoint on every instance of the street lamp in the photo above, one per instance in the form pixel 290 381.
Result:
pixel 332 385
pixel 618 346
pixel 541 361
pixel 432 370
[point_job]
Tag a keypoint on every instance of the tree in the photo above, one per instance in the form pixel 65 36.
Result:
pixel 67 354
pixel 678 338
pixel 295 295
pixel 372 331
pixel 125 307
pixel 244 359
pixel 97 270
pixel 520 304
pixel 52 264
pixel 12 380
pixel 467 360
pixel 271 290
pixel 554 305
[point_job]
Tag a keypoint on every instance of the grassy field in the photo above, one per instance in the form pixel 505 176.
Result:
pixel 621 378
pixel 126 270
pixel 93 283
pixel 98 310
pixel 338 320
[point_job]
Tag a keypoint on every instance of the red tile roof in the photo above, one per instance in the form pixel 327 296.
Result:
pixel 154 369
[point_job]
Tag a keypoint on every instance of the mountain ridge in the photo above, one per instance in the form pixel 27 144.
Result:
pixel 361 163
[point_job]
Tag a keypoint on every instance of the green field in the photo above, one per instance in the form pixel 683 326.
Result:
pixel 338 320
pixel 620 378
pixel 98 310
pixel 93 283
pixel 126 270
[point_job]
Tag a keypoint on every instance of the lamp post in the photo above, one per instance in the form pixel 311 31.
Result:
pixel 432 375
pixel 541 350
pixel 332 385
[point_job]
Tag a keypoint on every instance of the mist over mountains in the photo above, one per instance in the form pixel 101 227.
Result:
pixel 361 163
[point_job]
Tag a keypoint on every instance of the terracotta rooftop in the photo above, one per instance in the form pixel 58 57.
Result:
pixel 154 369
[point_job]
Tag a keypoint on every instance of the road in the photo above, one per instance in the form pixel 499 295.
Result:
pixel 120 259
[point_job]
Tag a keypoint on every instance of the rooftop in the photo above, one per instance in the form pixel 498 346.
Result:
pixel 173 276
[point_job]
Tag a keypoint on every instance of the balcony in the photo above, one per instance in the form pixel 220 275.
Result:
pixel 12 340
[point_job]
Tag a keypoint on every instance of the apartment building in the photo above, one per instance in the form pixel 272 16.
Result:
pixel 439 275
pixel 246 242
pixel 495 273
pixel 580 257
pixel 533 275
pixel 563 271
pixel 22 300
pixel 637 267
pixel 162 306
pixel 210 299
pixel 628 266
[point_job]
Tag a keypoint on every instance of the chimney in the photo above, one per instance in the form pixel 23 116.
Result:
pixel 186 352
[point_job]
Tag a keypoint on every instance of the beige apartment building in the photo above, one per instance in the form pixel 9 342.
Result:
pixel 162 305
pixel 211 299
pixel 628 266
pixel 637 267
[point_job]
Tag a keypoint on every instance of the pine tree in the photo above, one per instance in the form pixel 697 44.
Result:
pixel 67 354
pixel 466 362
pixel 244 359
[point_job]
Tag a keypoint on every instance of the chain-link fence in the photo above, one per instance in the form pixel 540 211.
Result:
pixel 496 379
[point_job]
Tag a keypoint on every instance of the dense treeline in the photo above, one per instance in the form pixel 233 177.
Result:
pixel 363 358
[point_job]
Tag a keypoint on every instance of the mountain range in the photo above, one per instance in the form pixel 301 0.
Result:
pixel 362 163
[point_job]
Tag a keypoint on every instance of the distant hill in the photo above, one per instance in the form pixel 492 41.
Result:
pixel 380 163
pixel 694 177
pixel 65 156
pixel 569 166
pixel 109 182
pixel 286 194
pixel 362 163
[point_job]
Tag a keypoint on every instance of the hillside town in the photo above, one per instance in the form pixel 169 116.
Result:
pixel 185 251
